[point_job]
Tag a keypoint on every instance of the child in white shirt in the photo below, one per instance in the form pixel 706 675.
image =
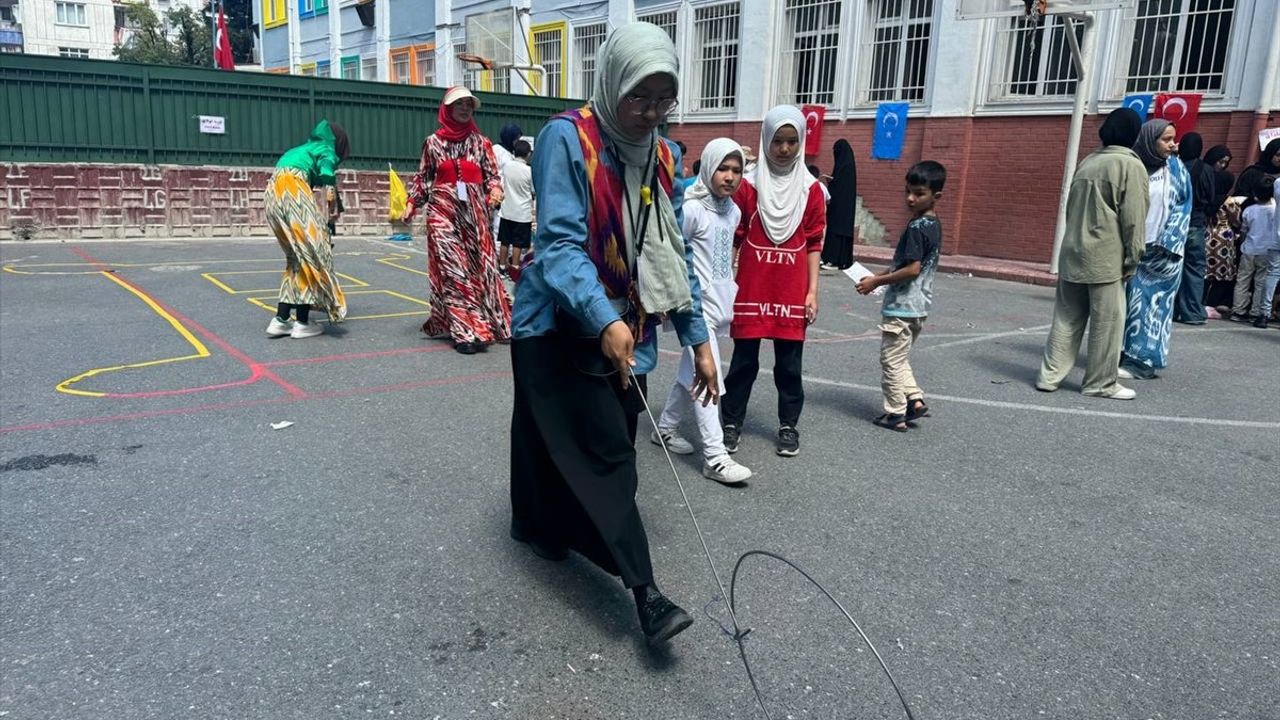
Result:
pixel 1259 253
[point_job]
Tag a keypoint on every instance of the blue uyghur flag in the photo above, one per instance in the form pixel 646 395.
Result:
pixel 1140 104
pixel 891 130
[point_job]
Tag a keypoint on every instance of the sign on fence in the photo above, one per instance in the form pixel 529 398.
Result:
pixel 213 125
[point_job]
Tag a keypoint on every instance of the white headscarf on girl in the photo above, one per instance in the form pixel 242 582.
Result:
pixel 632 53
pixel 712 155
pixel 782 191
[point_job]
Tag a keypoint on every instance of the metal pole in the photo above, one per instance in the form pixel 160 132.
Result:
pixel 1077 122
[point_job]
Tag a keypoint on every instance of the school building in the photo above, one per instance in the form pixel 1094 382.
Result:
pixel 989 98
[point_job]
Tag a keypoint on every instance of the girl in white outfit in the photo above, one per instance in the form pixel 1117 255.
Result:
pixel 710 218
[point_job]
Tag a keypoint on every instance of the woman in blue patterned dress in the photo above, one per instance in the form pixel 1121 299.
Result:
pixel 1153 287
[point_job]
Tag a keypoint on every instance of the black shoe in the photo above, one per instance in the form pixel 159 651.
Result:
pixel 660 619
pixel 554 553
pixel 788 441
pixel 732 433
pixel 1261 322
pixel 466 348
pixel 1236 317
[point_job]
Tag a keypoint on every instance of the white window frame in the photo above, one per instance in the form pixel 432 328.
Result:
pixel 73 52
pixel 864 95
pixel 695 102
pixel 667 18
pixel 785 73
pixel 426 61
pixel 63 14
pixel 1125 82
pixel 595 30
pixel 369 68
pixel 403 76
pixel 1054 52
pixel 461 74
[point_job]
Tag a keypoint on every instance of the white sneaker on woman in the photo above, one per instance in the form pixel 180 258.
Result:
pixel 1124 374
pixel 279 328
pixel 306 330
pixel 726 470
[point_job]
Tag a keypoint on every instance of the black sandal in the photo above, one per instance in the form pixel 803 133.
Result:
pixel 896 423
pixel 916 409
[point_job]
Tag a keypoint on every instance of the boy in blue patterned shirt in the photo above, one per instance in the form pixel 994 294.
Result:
pixel 908 297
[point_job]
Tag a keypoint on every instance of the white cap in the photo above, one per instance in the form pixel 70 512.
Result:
pixel 456 93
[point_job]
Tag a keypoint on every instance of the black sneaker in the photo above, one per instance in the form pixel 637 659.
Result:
pixel 788 441
pixel 660 619
pixel 732 433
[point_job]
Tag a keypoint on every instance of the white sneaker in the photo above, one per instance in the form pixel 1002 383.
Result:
pixel 1121 393
pixel 279 328
pixel 306 330
pixel 1124 374
pixel 674 442
pixel 726 470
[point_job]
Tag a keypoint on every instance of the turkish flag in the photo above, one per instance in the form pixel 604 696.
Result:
pixel 222 57
pixel 1181 109
pixel 813 118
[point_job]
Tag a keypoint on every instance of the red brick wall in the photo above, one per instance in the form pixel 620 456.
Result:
pixel 62 201
pixel 1003 173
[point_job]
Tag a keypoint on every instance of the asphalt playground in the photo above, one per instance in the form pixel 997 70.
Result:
pixel 166 553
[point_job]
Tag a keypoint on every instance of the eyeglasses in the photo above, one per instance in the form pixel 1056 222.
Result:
pixel 637 105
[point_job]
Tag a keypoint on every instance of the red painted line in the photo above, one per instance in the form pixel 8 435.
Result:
pixel 256 368
pixel 355 356
pixel 279 400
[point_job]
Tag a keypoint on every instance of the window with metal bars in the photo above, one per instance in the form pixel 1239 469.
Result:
pixel 587 40
pixel 665 20
pixel 548 51
pixel 369 68
pixel 810 52
pixel 715 57
pixel 1033 59
pixel 426 60
pixel 400 67
pixel 461 74
pixel 1180 45
pixel 896 50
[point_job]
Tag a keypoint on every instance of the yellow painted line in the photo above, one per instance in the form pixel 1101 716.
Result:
pixel 262 303
pixel 13 268
pixel 200 350
pixel 213 278
pixel 386 261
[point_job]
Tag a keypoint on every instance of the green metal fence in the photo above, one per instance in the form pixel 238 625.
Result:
pixel 69 110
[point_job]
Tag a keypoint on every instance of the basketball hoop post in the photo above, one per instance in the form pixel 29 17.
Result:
pixel 1073 134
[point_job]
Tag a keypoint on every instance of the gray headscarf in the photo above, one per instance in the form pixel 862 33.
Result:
pixel 1145 147
pixel 632 53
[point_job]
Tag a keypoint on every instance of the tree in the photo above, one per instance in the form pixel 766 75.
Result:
pixel 240 27
pixel 182 36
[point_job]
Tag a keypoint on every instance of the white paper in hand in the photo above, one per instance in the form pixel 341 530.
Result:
pixel 857 271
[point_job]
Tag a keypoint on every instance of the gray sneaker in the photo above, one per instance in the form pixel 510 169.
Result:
pixel 673 441
pixel 732 433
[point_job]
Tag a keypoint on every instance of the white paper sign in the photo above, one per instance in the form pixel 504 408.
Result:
pixel 857 271
pixel 213 125
pixel 1266 136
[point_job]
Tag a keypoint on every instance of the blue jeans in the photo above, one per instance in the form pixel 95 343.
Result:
pixel 1263 296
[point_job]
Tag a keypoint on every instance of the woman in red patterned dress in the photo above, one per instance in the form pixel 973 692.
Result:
pixel 459 184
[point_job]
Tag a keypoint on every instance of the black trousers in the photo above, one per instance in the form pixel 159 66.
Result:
pixel 788 357
pixel 573 459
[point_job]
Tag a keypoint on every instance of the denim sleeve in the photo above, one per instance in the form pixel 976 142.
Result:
pixel 689 325
pixel 560 179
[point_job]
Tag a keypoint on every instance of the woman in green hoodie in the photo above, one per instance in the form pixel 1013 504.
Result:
pixel 303 232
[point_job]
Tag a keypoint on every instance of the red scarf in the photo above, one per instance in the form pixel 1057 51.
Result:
pixel 452 130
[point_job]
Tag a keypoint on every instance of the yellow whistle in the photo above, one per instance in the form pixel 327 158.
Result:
pixel 646 195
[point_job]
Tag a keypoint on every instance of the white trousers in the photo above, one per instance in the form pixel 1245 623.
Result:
pixel 680 405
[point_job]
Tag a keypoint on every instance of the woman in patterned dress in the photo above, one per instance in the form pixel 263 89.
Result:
pixel 459 183
pixel 303 233
pixel 1221 243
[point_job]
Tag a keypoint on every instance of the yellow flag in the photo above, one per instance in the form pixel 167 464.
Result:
pixel 399 197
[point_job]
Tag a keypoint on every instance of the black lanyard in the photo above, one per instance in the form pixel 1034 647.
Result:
pixel 643 221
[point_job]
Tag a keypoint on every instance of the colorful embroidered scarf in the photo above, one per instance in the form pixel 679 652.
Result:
pixel 606 239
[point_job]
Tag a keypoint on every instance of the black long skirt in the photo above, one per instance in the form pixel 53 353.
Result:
pixel 573 459
pixel 838 250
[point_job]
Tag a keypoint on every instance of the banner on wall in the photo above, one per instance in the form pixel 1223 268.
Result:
pixel 814 115
pixel 1140 104
pixel 891 131
pixel 1181 109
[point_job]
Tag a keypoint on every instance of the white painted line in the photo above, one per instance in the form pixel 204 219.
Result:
pixel 1006 405
pixel 984 338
